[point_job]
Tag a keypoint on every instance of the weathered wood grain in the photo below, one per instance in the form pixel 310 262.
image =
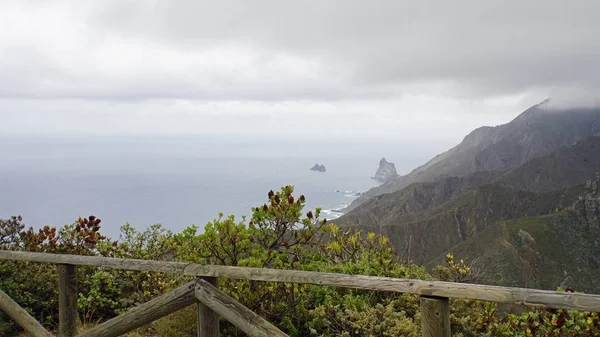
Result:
pixel 22 317
pixel 237 314
pixel 145 313
pixel 553 299
pixel 435 317
pixel 208 319
pixel 67 300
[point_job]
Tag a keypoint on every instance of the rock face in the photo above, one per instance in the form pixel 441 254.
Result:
pixel 536 225
pixel 385 172
pixel 538 131
pixel 589 211
pixel 512 199
pixel 318 167
pixel 511 189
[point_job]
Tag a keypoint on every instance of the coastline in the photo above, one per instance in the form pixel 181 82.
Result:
pixel 338 211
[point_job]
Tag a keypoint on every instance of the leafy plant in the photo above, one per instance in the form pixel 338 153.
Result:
pixel 279 234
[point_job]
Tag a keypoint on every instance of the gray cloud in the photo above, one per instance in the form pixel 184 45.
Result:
pixel 478 48
pixel 310 50
pixel 345 68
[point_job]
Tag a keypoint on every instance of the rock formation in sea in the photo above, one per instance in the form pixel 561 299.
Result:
pixel 385 172
pixel 318 167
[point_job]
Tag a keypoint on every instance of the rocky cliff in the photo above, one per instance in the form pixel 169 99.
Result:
pixel 528 225
pixel 386 171
pixel 534 133
pixel 560 249
pixel 558 170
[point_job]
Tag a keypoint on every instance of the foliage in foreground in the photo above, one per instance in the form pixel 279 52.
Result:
pixel 278 235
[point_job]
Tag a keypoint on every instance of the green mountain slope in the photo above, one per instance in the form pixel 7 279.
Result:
pixel 536 132
pixel 562 168
pixel 559 169
pixel 441 228
pixel 515 238
pixel 512 198
pixel 560 249
pixel 536 225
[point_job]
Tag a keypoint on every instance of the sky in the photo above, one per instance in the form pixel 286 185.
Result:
pixel 398 70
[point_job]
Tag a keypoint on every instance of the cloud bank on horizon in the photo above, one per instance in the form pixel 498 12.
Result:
pixel 336 66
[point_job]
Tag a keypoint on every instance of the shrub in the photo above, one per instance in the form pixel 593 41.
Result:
pixel 279 234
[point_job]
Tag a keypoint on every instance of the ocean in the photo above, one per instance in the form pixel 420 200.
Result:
pixel 179 181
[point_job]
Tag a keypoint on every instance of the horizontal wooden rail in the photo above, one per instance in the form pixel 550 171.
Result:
pixel 552 299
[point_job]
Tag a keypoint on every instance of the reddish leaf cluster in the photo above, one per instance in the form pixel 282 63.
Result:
pixel 80 239
pixel 88 230
pixel 44 240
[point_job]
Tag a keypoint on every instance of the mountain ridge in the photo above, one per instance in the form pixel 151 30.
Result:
pixel 560 169
pixel 511 195
pixel 535 132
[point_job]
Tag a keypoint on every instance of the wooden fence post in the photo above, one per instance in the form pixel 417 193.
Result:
pixel 67 300
pixel 208 320
pixel 435 316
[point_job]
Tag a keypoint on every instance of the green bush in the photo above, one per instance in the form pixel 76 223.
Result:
pixel 277 235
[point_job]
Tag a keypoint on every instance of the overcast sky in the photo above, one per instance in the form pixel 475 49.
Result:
pixel 392 69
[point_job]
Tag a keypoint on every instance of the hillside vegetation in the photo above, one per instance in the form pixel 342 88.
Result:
pixel 561 169
pixel 473 200
pixel 278 235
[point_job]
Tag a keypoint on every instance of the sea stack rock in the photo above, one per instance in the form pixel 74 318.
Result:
pixel 318 168
pixel 385 172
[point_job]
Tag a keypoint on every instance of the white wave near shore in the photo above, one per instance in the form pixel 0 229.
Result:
pixel 337 212
pixel 331 214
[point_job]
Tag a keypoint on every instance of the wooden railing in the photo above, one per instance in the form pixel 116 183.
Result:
pixel 212 303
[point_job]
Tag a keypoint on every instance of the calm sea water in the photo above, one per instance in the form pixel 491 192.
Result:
pixel 177 181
